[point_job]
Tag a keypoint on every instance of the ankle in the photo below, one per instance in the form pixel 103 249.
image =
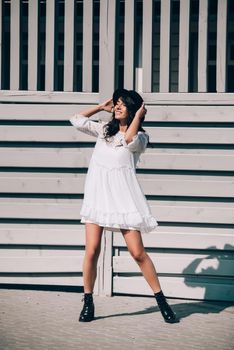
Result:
pixel 88 297
pixel 159 294
pixel 160 297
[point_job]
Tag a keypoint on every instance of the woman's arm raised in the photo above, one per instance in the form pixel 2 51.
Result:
pixel 133 127
pixel 81 122
pixel 105 106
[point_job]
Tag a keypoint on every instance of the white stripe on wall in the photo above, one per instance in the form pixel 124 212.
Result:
pixel 15 45
pixel 1 43
pixel 221 45
pixel 107 48
pixel 88 45
pixel 202 45
pixel 49 54
pixel 164 79
pixel 68 45
pixel 32 44
pixel 147 45
pixel 129 28
pixel 184 45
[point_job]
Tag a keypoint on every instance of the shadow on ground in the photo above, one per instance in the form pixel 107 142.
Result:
pixel 182 310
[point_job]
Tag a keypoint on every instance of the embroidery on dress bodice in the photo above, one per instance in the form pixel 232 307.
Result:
pixel 115 140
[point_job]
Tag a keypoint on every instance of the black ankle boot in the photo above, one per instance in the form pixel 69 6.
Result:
pixel 87 313
pixel 166 311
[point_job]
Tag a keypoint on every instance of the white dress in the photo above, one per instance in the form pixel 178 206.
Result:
pixel 113 197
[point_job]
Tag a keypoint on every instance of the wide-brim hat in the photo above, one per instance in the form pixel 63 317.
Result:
pixel 136 98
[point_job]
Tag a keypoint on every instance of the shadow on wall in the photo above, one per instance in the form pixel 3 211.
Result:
pixel 214 274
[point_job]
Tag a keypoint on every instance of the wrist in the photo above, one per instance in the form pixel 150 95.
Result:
pixel 137 116
pixel 100 107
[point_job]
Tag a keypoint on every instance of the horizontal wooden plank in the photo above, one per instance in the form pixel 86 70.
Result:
pixel 180 264
pixel 190 185
pixel 58 279
pixel 48 96
pixel 62 264
pixel 37 183
pixel 202 212
pixel 39 157
pixel 179 287
pixel 155 113
pixel 192 98
pixel 43 112
pixel 152 184
pixel 59 235
pixel 153 98
pixel 192 135
pixel 179 135
pixel 181 237
pixel 40 251
pixel 68 209
pixel 184 113
pixel 190 159
pixel 184 159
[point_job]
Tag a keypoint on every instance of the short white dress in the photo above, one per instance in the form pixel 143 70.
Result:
pixel 113 197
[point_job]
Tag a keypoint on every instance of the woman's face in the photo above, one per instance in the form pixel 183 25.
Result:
pixel 120 109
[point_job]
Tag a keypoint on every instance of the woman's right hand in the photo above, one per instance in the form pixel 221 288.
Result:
pixel 107 106
pixel 141 112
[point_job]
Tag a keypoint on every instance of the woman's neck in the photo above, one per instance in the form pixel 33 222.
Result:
pixel 123 128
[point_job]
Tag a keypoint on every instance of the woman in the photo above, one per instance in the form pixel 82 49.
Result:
pixel 113 198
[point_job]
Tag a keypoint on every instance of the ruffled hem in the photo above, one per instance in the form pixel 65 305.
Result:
pixel 116 221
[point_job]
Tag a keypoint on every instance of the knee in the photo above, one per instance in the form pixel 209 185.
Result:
pixel 139 256
pixel 92 254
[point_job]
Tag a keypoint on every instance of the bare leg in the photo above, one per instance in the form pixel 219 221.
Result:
pixel 135 246
pixel 93 234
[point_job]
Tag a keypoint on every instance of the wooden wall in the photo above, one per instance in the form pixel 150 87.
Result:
pixel 187 173
pixel 187 176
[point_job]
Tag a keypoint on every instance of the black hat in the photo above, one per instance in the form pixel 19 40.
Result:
pixel 137 99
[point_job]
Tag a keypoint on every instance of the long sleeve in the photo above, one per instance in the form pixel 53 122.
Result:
pixel 86 125
pixel 138 143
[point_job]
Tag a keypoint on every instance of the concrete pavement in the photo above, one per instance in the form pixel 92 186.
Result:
pixel 37 319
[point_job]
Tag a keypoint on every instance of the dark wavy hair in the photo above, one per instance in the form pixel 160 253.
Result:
pixel 112 127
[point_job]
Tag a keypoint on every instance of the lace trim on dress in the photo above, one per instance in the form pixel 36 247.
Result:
pixel 144 224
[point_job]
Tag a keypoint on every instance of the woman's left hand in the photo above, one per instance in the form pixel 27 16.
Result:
pixel 107 105
pixel 141 112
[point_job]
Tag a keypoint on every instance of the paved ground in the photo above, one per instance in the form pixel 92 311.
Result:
pixel 32 319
